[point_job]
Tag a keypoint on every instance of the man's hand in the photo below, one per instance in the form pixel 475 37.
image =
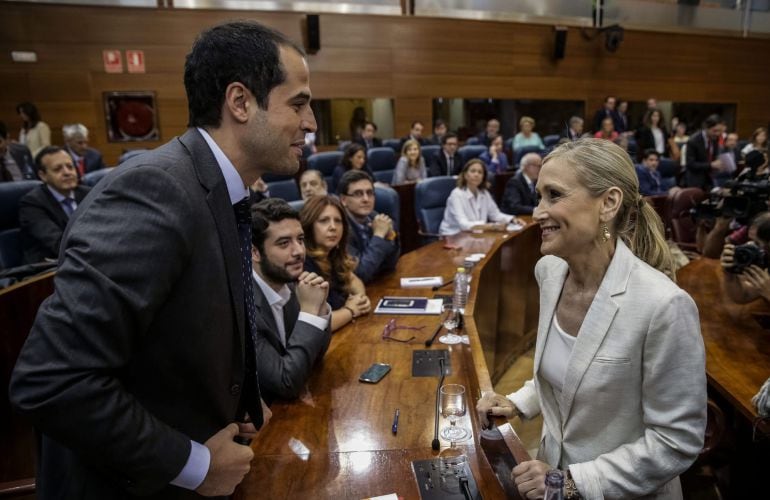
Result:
pixel 382 225
pixel 728 252
pixel 494 404
pixel 311 291
pixel 530 478
pixel 757 280
pixel 229 463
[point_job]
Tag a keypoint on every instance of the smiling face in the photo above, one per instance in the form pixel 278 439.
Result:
pixel 413 153
pixel 327 229
pixel 357 160
pixel 283 259
pixel 568 215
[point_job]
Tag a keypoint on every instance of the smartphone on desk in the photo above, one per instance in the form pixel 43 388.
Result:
pixel 374 373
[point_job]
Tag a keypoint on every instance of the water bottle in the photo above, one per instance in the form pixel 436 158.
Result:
pixel 554 485
pixel 460 296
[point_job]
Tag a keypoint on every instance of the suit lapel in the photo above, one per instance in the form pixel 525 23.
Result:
pixel 596 324
pixel 265 312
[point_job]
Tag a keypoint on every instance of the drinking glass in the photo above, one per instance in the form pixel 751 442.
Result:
pixel 452 407
pixel 450 319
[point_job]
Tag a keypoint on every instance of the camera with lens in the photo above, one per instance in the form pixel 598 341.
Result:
pixel 747 255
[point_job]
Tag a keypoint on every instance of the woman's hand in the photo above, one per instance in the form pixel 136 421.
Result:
pixel 494 404
pixel 530 478
pixel 359 304
pixel 726 259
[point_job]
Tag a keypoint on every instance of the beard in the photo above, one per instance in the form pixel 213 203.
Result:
pixel 276 274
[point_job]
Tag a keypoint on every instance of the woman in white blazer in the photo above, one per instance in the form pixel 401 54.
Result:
pixel 470 205
pixel 619 373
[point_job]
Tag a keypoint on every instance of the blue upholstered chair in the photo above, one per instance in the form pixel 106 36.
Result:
pixel 382 163
pixel 10 244
pixel 472 141
pixel 430 198
pixel 551 140
pixel 325 162
pixel 470 152
pixel 394 144
pixel 428 152
pixel 668 169
pixel 342 145
pixel 519 153
pixel 282 186
pixel 387 202
pixel 93 178
pixel 297 205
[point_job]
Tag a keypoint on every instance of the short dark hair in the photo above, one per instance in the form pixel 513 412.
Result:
pixel 649 152
pixel 240 51
pixel 48 150
pixel 607 98
pixel 415 123
pixel 350 177
pixel 265 212
pixel 448 135
pixel 31 111
pixel 712 121
pixel 374 125
pixel 3 131
pixel 439 122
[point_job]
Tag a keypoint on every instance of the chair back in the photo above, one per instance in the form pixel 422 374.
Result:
pixel 285 189
pixel 93 178
pixel 394 144
pixel 521 152
pixel 683 226
pixel 325 162
pixel 11 194
pixel 342 145
pixel 470 152
pixel 387 202
pixel 382 163
pixel 428 152
pixel 430 201
pixel 472 141
pixel 297 205
pixel 550 140
pixel 668 170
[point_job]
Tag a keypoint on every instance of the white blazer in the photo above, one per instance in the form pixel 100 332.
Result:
pixel 464 211
pixel 632 415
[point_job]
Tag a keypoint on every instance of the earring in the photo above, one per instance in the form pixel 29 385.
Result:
pixel 605 233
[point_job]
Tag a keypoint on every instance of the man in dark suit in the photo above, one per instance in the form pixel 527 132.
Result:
pixel 415 133
pixel 520 197
pixel 372 239
pixel 491 131
pixel 574 129
pixel 650 181
pixel 45 210
pixel 446 161
pixel 140 369
pixel 367 138
pixel 292 314
pixel 86 159
pixel 702 156
pixel 16 163
pixel 607 111
pixel 439 131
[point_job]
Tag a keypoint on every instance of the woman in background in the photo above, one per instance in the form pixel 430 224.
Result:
pixel 526 136
pixel 326 235
pixel 354 158
pixel 758 141
pixel 652 134
pixel 411 165
pixel 608 130
pixel 494 157
pixel 35 133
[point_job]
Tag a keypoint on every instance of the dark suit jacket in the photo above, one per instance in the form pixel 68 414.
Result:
pixel 423 142
pixel 93 160
pixel 646 140
pixel 697 166
pixel 518 199
pixel 376 142
pixel 141 347
pixel 42 220
pixel 23 158
pixel 376 256
pixel 649 183
pixel 284 370
pixel 438 165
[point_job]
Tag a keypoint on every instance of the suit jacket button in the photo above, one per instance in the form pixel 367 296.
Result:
pixel 235 389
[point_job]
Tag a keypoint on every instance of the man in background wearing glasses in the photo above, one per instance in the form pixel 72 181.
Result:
pixel 372 238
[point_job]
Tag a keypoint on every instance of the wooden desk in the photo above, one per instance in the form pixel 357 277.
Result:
pixel 336 442
pixel 737 348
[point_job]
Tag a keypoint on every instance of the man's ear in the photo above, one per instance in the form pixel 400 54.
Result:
pixel 237 102
pixel 256 258
pixel 612 200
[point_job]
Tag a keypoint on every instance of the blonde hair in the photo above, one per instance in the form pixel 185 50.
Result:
pixel 527 119
pixel 600 165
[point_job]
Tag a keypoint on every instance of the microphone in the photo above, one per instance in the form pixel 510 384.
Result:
pixel 436 443
pixel 430 341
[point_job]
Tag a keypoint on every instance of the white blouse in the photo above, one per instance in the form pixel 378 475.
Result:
pixel 558 348
pixel 464 210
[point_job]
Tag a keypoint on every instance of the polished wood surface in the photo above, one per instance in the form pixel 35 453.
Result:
pixel 737 347
pixel 336 440
pixel 410 59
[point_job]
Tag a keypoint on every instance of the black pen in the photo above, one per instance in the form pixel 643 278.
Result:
pixel 394 428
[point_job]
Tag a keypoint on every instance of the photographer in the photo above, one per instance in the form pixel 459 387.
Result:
pixel 745 266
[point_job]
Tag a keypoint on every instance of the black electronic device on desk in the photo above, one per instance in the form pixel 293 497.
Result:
pixel 445 478
pixel 425 362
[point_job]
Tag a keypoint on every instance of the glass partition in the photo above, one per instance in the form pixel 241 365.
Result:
pixel 340 120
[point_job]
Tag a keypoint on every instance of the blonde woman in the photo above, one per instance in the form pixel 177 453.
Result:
pixel 619 373
pixel 411 165
pixel 527 136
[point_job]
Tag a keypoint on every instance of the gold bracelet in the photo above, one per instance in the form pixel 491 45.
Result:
pixel 570 490
pixel 352 314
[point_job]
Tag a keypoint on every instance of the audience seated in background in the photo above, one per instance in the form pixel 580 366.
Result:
pixel 526 136
pixel 411 165
pixel 439 131
pixel 494 158
pixel 606 111
pixel 470 205
pixel 258 191
pixel 34 133
pixel 371 239
pixel 292 314
pixel 446 161
pixel 76 142
pixel 650 181
pixel 326 229
pixel 367 138
pixel 702 160
pixel 744 284
pixel 520 197
pixel 16 163
pixel 574 130
pixel 415 134
pixel 652 134
pixel 758 141
pixel 312 183
pixel 45 211
pixel 607 131
pixel 353 159
pixel 492 130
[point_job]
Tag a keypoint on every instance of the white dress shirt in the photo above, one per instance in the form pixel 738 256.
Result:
pixel 464 210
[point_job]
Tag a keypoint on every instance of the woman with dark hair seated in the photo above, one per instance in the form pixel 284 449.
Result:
pixel 326 235
pixel 353 159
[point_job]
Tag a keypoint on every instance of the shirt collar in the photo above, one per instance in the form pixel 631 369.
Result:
pixel 526 178
pixel 274 298
pixel 235 186
pixel 58 196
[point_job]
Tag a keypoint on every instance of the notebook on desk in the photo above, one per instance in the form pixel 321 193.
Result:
pixel 408 305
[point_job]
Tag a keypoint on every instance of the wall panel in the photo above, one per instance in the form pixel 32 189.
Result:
pixel 409 59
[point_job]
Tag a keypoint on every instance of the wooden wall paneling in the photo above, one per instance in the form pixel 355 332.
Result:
pixel 411 109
